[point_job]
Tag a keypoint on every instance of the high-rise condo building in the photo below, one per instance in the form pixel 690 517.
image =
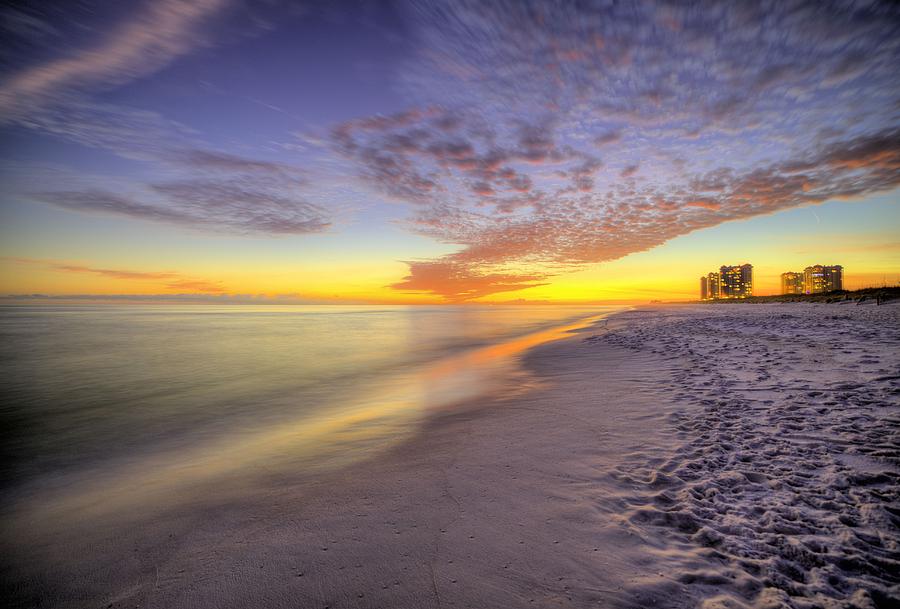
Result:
pixel 791 283
pixel 736 281
pixel 818 279
pixel 713 285
pixel 728 282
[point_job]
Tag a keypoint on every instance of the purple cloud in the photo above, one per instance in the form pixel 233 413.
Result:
pixel 159 32
pixel 223 206
pixel 531 91
pixel 630 170
pixel 565 232
pixel 548 134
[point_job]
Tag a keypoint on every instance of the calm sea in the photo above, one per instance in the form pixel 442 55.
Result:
pixel 105 407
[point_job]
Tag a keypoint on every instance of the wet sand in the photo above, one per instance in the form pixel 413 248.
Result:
pixel 715 456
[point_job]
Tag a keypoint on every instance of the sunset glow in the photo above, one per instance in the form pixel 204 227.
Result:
pixel 435 152
pixel 419 304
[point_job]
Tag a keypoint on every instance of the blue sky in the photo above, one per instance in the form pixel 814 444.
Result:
pixel 441 151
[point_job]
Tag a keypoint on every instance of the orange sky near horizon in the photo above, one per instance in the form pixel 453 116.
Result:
pixel 480 152
pixel 864 243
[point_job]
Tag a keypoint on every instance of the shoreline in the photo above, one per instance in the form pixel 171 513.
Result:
pixel 365 424
pixel 878 296
pixel 624 479
pixel 385 515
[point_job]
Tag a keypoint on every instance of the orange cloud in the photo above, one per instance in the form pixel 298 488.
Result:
pixel 458 282
pixel 704 203
pixel 169 279
pixel 561 234
pixel 116 273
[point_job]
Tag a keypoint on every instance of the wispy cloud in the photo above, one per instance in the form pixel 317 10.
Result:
pixel 210 190
pixel 187 297
pixel 221 161
pixel 233 205
pixel 159 32
pixel 115 273
pixel 169 279
pixel 544 135
pixel 551 139
pixel 564 227
pixel 206 190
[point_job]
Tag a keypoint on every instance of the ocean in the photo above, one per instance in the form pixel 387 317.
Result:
pixel 109 407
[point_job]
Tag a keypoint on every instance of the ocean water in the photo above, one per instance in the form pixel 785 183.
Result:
pixel 106 407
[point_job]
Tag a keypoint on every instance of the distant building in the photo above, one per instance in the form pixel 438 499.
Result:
pixel 712 286
pixel 736 281
pixel 791 283
pixel 728 282
pixel 818 279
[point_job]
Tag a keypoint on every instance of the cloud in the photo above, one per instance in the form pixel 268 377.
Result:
pixel 206 190
pixel 230 206
pixel 513 149
pixel 609 137
pixel 630 170
pixel 115 273
pixel 156 34
pixel 425 155
pixel 242 206
pixel 197 285
pixel 169 279
pixel 518 98
pixel 704 204
pixel 221 161
pixel 459 282
pixel 566 233
pixel 186 298
pixel 616 66
pixel 203 188
pixel 130 133
pixel 98 201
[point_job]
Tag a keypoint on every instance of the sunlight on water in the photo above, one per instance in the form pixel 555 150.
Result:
pixel 115 407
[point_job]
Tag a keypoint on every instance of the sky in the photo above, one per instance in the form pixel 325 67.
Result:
pixel 443 151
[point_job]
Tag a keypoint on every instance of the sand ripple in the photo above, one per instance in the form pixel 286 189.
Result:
pixel 786 489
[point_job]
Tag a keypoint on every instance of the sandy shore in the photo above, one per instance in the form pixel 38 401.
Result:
pixel 675 457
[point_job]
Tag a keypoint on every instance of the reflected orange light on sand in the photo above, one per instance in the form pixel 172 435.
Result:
pixel 487 370
pixel 367 425
pixel 502 353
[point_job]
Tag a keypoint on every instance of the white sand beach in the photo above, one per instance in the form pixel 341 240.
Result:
pixel 673 456
pixel 450 304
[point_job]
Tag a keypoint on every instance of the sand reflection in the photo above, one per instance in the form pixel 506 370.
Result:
pixel 364 426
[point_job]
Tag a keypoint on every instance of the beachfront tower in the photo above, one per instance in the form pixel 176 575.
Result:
pixel 712 286
pixel 736 281
pixel 819 279
pixel 704 289
pixel 791 283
